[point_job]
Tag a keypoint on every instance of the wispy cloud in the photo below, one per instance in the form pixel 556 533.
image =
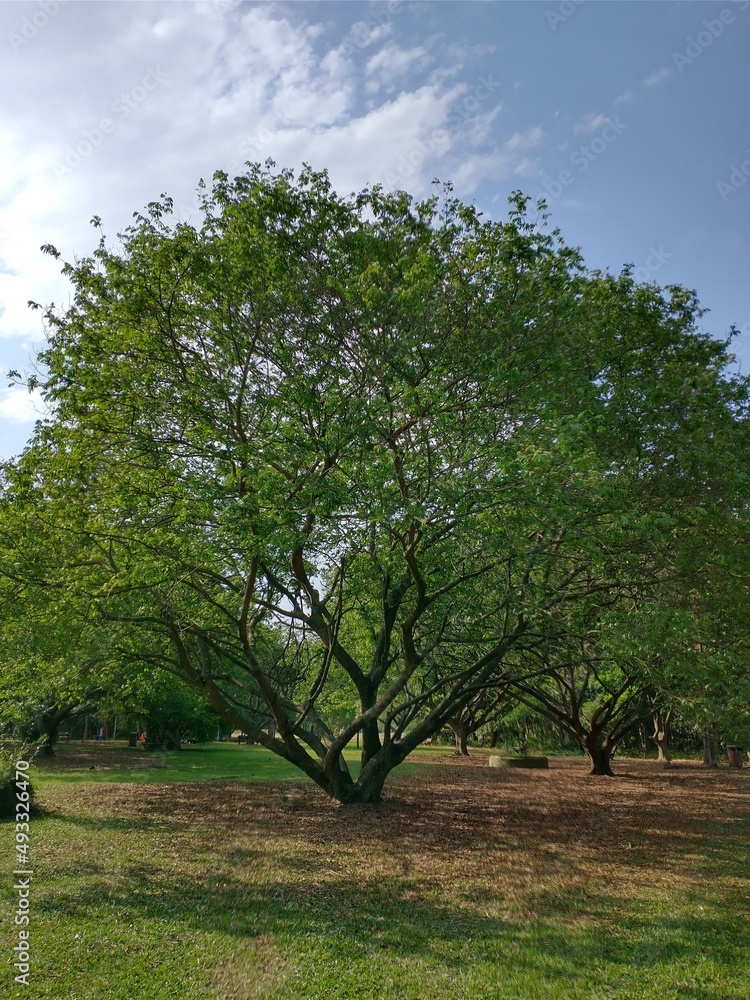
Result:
pixel 591 123
pixel 507 161
pixel 521 141
pixel 391 64
pixel 655 78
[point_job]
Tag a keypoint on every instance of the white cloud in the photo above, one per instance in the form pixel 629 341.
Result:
pixel 655 78
pixel 391 63
pixel 591 123
pixel 501 164
pixel 524 140
pixel 363 34
pixel 115 103
pixel 20 406
pixel 627 97
pixel 400 138
pixel 475 129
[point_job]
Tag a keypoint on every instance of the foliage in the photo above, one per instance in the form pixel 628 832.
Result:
pixel 8 775
pixel 168 710
pixel 341 463
pixel 53 664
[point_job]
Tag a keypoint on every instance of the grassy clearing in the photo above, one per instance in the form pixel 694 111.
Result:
pixel 116 762
pixel 467 882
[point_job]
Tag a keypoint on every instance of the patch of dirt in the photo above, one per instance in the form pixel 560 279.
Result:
pixel 503 829
pixel 456 849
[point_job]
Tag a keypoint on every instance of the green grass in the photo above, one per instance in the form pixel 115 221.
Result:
pixel 237 890
pixel 115 762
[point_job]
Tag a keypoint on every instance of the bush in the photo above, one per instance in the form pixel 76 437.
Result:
pixel 8 790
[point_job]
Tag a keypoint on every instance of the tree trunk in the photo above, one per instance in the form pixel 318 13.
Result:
pixel 371 742
pixel 48 728
pixel 368 788
pixel 710 749
pixel 493 739
pixel 171 741
pixel 660 735
pixel 461 732
pixel 600 754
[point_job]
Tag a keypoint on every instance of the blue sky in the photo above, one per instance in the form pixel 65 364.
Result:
pixel 631 118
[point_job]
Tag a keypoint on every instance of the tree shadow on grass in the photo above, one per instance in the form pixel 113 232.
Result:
pixel 416 876
pixel 372 920
pixel 657 817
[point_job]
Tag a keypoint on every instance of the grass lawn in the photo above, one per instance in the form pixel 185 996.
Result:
pixel 167 877
pixel 116 762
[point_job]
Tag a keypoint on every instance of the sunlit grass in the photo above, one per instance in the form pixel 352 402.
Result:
pixel 468 882
pixel 115 762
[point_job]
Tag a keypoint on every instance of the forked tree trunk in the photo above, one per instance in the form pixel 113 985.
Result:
pixel 461 732
pixel 660 735
pixel 600 754
pixel 661 739
pixel 368 788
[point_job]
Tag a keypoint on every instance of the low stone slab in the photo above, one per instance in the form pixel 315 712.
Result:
pixel 519 762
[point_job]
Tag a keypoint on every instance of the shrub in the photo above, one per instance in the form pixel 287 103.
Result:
pixel 8 790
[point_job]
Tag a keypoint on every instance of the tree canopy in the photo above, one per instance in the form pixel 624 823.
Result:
pixel 344 463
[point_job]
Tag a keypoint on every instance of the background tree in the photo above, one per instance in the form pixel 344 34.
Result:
pixel 54 664
pixel 166 709
pixel 485 707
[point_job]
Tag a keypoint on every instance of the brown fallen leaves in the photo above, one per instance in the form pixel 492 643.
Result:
pixel 496 837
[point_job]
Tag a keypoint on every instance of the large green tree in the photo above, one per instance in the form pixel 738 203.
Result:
pixel 334 459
